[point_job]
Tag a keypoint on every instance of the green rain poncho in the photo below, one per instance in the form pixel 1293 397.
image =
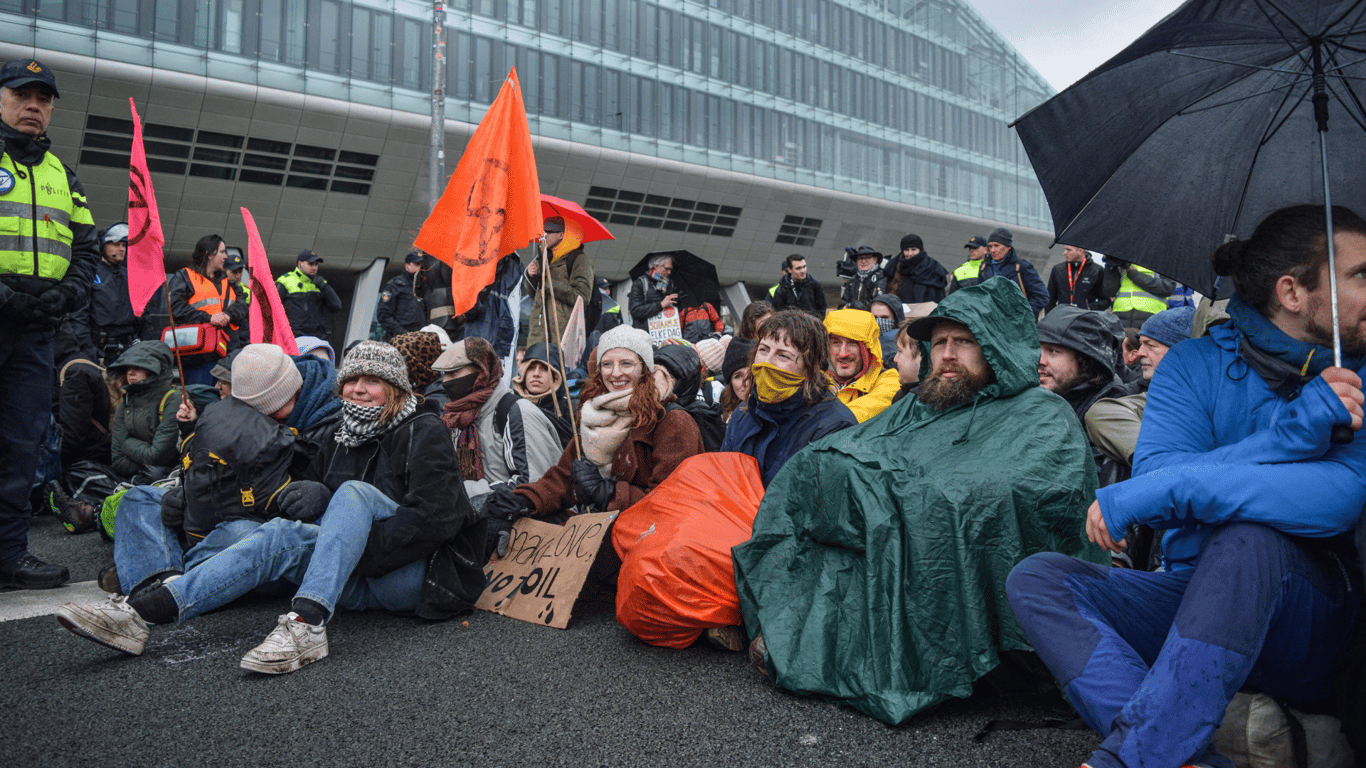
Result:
pixel 877 569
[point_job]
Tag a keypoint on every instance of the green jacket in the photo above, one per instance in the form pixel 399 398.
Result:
pixel 144 429
pixel 877 568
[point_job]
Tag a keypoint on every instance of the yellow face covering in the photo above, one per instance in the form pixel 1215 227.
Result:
pixel 573 238
pixel 773 384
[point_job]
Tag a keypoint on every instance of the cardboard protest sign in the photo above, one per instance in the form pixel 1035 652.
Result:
pixel 540 578
pixel 665 326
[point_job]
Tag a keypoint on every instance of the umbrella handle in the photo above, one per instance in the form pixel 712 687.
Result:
pixel 1342 434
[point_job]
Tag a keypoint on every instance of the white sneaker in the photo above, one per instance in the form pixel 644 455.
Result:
pixel 113 624
pixel 292 644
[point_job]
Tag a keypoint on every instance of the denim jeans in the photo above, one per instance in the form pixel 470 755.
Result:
pixel 144 548
pixel 319 558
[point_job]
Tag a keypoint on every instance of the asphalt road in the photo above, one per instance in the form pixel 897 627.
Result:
pixel 484 690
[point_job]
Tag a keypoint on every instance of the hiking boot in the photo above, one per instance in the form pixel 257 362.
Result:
pixel 758 653
pixel 109 580
pixel 730 638
pixel 28 572
pixel 77 516
pixel 113 624
pixel 292 644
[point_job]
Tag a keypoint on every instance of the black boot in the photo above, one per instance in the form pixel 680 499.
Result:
pixel 28 572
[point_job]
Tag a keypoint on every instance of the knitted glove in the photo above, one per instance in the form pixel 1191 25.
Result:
pixel 507 505
pixel 591 489
pixel 303 500
pixel 605 422
pixel 173 508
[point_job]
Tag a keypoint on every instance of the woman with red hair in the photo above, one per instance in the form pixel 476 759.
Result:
pixel 629 441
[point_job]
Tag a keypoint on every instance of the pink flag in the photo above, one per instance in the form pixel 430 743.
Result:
pixel 146 270
pixel 269 324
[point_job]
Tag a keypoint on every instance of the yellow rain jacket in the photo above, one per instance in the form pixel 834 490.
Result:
pixel 872 390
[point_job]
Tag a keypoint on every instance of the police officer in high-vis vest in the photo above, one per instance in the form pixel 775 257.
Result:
pixel 968 273
pixel 305 295
pixel 47 263
pixel 1141 292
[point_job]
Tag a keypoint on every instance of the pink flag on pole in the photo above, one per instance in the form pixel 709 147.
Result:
pixel 146 269
pixel 269 325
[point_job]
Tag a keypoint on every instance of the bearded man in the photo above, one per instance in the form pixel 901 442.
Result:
pixel 898 533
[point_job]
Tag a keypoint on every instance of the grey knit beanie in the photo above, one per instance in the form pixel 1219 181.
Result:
pixel 626 337
pixel 264 377
pixel 375 358
pixel 1003 236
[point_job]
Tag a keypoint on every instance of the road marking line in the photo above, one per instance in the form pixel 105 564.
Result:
pixel 27 603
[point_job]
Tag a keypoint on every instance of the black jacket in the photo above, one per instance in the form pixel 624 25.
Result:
pixel 413 463
pixel 111 311
pixel 85 412
pixel 238 460
pixel 859 292
pixel 1078 288
pixel 647 301
pixel 305 308
pixel 918 279
pixel 401 307
pixel 805 294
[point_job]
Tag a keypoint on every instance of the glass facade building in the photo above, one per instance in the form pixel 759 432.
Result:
pixel 899 100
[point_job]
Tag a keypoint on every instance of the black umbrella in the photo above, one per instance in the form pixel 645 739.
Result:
pixel 694 277
pixel 1210 121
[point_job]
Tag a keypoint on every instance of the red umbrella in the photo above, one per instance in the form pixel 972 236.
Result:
pixel 592 228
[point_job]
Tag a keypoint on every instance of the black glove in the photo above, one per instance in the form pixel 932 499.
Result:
pixel 173 508
pixel 507 505
pixel 59 300
pixel 591 489
pixel 499 535
pixel 303 500
pixel 25 309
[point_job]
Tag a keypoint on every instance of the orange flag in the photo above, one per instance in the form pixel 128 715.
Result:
pixel 491 206
pixel 146 269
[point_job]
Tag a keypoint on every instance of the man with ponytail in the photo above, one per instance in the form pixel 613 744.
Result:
pixel 1260 588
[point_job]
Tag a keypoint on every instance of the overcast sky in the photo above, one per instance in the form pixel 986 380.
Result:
pixel 1065 39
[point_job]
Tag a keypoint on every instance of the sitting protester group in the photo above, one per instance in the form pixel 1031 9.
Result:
pixel 902 506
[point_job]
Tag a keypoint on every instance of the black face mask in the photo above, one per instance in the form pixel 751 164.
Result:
pixel 458 388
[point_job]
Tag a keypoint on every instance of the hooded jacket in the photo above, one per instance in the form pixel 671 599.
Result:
pixel 559 417
pixel 685 366
pixel 571 277
pixel 772 433
pixel 889 534
pixel 873 389
pixel 888 337
pixel 144 429
pixel 1097 335
pixel 1220 444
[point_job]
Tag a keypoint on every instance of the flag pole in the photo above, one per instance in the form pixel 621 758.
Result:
pixel 175 349
pixel 555 312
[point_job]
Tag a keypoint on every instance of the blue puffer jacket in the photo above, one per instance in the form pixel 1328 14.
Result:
pixel 772 433
pixel 1218 445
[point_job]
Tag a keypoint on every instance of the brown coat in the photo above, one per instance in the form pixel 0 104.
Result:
pixel 643 461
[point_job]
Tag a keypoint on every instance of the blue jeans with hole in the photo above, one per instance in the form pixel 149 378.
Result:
pixel 318 557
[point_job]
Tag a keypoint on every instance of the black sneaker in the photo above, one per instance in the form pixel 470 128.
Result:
pixel 28 572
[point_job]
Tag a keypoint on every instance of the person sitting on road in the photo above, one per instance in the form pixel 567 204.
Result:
pixel 898 533
pixel 396 532
pixel 736 376
pixel 907 362
pixel 754 316
pixel 501 439
pixel 629 441
pixel 420 349
pixel 792 401
pixel 1236 462
pixel 143 444
pixel 1078 351
pixel 242 437
pixel 856 363
pixel 538 379
pixel 679 370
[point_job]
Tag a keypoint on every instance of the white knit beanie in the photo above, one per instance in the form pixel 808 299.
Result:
pixel 626 337
pixel 264 377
